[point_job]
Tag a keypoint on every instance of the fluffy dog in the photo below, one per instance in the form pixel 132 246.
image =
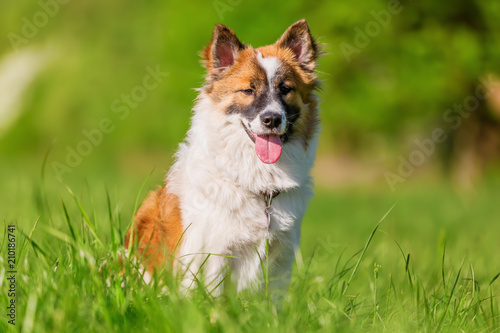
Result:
pixel 238 190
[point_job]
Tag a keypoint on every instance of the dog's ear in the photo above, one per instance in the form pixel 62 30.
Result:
pixel 299 40
pixel 223 49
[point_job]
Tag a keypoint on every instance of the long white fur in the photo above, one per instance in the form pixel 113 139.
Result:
pixel 219 181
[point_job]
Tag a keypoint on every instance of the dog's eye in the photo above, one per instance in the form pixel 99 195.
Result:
pixel 284 90
pixel 248 91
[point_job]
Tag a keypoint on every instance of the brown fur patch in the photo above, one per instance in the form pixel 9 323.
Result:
pixel 297 52
pixel 245 73
pixel 304 78
pixel 158 228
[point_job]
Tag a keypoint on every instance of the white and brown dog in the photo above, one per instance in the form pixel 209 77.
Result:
pixel 253 136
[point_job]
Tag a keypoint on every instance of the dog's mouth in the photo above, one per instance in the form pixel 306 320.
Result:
pixel 268 147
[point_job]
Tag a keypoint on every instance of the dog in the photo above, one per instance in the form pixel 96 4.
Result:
pixel 234 199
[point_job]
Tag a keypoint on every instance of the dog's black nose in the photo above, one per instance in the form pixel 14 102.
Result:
pixel 271 119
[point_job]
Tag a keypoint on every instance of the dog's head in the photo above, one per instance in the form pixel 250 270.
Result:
pixel 268 90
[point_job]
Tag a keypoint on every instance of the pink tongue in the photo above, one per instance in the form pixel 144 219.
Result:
pixel 268 148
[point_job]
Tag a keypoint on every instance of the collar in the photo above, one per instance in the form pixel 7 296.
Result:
pixel 269 196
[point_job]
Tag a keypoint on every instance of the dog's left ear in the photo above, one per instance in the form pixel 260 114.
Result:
pixel 298 38
pixel 223 49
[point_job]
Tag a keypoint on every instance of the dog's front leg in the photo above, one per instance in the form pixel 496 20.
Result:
pixel 281 257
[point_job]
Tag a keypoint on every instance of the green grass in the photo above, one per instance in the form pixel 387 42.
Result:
pixel 429 266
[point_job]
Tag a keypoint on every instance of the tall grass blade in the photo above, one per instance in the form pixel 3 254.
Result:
pixel 494 278
pixel 114 239
pixel 86 219
pixel 68 220
pixel 91 199
pixel 364 249
pixel 43 191
pixel 452 292
pixel 442 267
pixel 25 245
pixel 37 249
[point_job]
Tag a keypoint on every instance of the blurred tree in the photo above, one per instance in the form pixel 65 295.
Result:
pixel 392 70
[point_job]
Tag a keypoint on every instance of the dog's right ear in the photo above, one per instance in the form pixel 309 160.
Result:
pixel 222 51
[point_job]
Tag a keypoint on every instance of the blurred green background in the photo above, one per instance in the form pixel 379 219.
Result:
pixel 390 73
pixel 393 73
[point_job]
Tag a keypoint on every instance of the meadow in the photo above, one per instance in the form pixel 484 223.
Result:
pixel 417 260
pixel 77 156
